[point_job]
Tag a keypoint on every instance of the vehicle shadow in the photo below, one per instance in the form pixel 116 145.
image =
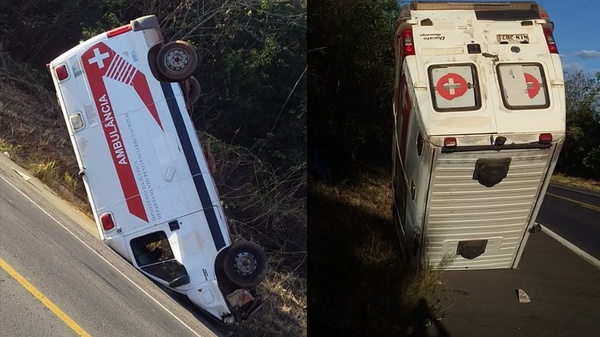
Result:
pixel 424 323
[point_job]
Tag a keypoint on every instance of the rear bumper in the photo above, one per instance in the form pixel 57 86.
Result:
pixel 495 147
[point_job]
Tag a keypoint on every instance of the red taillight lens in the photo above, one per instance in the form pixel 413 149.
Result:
pixel 406 42
pixel 119 30
pixel 107 221
pixel 550 41
pixel 545 138
pixel 61 72
pixel 450 142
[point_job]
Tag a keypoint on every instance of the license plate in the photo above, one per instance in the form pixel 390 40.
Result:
pixel 506 38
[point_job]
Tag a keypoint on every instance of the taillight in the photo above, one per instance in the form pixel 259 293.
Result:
pixel 406 42
pixel 107 221
pixel 118 30
pixel 61 72
pixel 550 41
pixel 450 142
pixel 545 138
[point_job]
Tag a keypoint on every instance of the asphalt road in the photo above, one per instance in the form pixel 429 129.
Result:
pixel 564 289
pixel 574 215
pixel 58 279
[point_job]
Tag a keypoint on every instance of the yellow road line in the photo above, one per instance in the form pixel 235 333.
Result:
pixel 33 290
pixel 583 204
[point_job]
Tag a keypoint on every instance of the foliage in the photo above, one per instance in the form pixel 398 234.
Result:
pixel 253 75
pixel 580 155
pixel 36 31
pixel 351 62
pixel 269 207
pixel 252 59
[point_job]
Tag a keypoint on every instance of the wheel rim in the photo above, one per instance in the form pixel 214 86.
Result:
pixel 177 60
pixel 245 263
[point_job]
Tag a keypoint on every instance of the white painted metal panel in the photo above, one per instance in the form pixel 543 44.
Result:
pixel 461 209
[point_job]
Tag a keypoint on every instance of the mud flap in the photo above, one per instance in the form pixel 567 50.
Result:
pixel 490 171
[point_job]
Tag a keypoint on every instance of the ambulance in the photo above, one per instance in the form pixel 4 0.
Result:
pixel 479 121
pixel 147 179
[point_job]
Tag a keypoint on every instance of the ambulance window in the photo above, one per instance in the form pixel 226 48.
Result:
pixel 523 86
pixel 454 87
pixel 153 254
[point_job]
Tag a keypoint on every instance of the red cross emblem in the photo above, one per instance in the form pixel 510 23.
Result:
pixel 451 86
pixel 533 85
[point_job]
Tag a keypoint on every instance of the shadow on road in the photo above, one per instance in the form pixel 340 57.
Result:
pixel 424 323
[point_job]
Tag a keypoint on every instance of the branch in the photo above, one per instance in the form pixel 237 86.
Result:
pixel 287 99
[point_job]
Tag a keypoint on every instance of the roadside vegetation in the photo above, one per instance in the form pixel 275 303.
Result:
pixel 252 63
pixel 359 285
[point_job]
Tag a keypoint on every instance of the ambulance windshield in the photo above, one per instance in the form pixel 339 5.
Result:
pixel 153 254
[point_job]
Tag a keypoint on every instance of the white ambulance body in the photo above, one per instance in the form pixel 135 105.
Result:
pixel 479 111
pixel 149 185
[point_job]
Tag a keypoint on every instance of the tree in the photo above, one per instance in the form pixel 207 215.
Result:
pixel 351 62
pixel 252 55
pixel 580 155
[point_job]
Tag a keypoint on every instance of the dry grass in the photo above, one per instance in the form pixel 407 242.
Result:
pixel 33 133
pixel 586 184
pixel 263 204
pixel 268 207
pixel 358 285
pixel 284 313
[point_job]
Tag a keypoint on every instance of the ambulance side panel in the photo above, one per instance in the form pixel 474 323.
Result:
pixel 155 142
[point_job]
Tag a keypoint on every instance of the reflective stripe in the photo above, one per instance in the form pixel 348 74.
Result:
pixel 192 161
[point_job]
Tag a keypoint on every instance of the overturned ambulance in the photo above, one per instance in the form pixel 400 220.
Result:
pixel 479 110
pixel 146 176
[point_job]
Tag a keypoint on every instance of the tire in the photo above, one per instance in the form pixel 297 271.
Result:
pixel 177 60
pixel 192 90
pixel 245 264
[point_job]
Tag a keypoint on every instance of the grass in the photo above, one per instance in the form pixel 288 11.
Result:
pixel 358 284
pixel 263 204
pixel 586 184
pixel 268 207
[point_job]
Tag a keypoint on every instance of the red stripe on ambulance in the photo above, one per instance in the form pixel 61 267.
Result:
pixel 405 109
pixel 94 63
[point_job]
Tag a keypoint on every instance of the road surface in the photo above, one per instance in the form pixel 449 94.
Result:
pixel 564 289
pixel 58 279
pixel 574 215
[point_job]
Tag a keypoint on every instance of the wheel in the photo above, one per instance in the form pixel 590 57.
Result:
pixel 177 60
pixel 245 264
pixel 191 89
